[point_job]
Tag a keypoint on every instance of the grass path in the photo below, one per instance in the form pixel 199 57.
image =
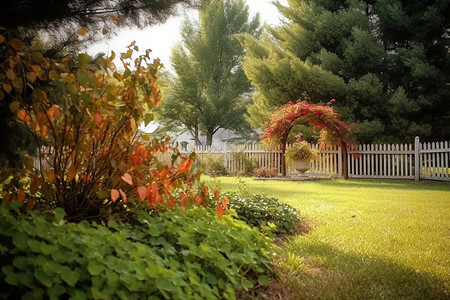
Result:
pixel 368 239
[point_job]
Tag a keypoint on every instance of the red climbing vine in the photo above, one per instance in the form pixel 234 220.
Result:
pixel 322 118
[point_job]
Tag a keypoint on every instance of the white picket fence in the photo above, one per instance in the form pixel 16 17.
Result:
pixel 403 161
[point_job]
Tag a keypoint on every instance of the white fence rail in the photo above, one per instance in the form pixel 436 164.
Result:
pixel 403 161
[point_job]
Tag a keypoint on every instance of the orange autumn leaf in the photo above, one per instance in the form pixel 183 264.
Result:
pixel 114 195
pixel 185 165
pixel 44 131
pixel 183 201
pixel 142 193
pixel 123 195
pixel 127 178
pixel 216 194
pixel 36 68
pixel 56 112
pixel 136 159
pixel 31 76
pixel 132 124
pixel 21 196
pixel 98 117
pixel 219 210
pixel 23 115
pixel 51 176
pixel 198 199
pixel 7 87
pixel 81 31
pixel 170 203
pixel 6 196
pixel 72 172
pixel 116 20
pixel 224 203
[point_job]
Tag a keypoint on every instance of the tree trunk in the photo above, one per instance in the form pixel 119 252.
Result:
pixel 196 136
pixel 209 136
pixel 283 159
pixel 344 161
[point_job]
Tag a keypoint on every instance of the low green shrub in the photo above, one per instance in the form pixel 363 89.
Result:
pixel 169 255
pixel 211 163
pixel 249 165
pixel 261 211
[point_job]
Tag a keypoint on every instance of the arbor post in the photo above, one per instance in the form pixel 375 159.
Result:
pixel 417 159
pixel 344 161
pixel 340 174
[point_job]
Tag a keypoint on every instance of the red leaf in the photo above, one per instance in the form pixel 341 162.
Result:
pixel 21 196
pixel 142 193
pixel 216 194
pixel 136 160
pixel 127 178
pixel 122 194
pixel 219 210
pixel 198 199
pixel 114 195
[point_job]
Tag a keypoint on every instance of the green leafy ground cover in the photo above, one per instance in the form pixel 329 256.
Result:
pixel 363 239
pixel 168 255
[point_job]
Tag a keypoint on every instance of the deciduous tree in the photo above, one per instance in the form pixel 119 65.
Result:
pixel 210 90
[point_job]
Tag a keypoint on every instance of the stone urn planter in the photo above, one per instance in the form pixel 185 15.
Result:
pixel 300 155
pixel 302 165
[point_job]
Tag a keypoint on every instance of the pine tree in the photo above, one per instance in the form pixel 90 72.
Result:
pixel 385 62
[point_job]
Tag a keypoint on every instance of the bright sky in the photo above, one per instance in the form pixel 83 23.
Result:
pixel 161 38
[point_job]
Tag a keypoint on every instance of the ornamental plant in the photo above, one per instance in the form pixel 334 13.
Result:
pixel 322 118
pixel 300 151
pixel 83 118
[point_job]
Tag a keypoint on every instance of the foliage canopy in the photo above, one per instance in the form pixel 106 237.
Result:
pixel 385 62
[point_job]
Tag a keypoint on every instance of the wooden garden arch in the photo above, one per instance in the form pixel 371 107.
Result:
pixel 322 118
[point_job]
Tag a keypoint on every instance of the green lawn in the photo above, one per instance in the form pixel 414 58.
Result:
pixel 368 239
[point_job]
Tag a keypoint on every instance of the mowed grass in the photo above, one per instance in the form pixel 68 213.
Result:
pixel 367 239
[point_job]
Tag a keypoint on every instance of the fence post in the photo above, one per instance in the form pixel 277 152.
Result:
pixel 417 159
pixel 340 175
pixel 225 156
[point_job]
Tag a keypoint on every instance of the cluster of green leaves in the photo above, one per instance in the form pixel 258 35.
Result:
pixel 265 213
pixel 300 151
pixel 171 255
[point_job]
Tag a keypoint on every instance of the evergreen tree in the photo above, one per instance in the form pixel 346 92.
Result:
pixel 385 62
pixel 210 90
pixel 59 20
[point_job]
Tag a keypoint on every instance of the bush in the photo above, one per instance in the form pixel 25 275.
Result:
pixel 263 172
pixel 171 255
pixel 213 164
pixel 260 211
pixel 249 165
